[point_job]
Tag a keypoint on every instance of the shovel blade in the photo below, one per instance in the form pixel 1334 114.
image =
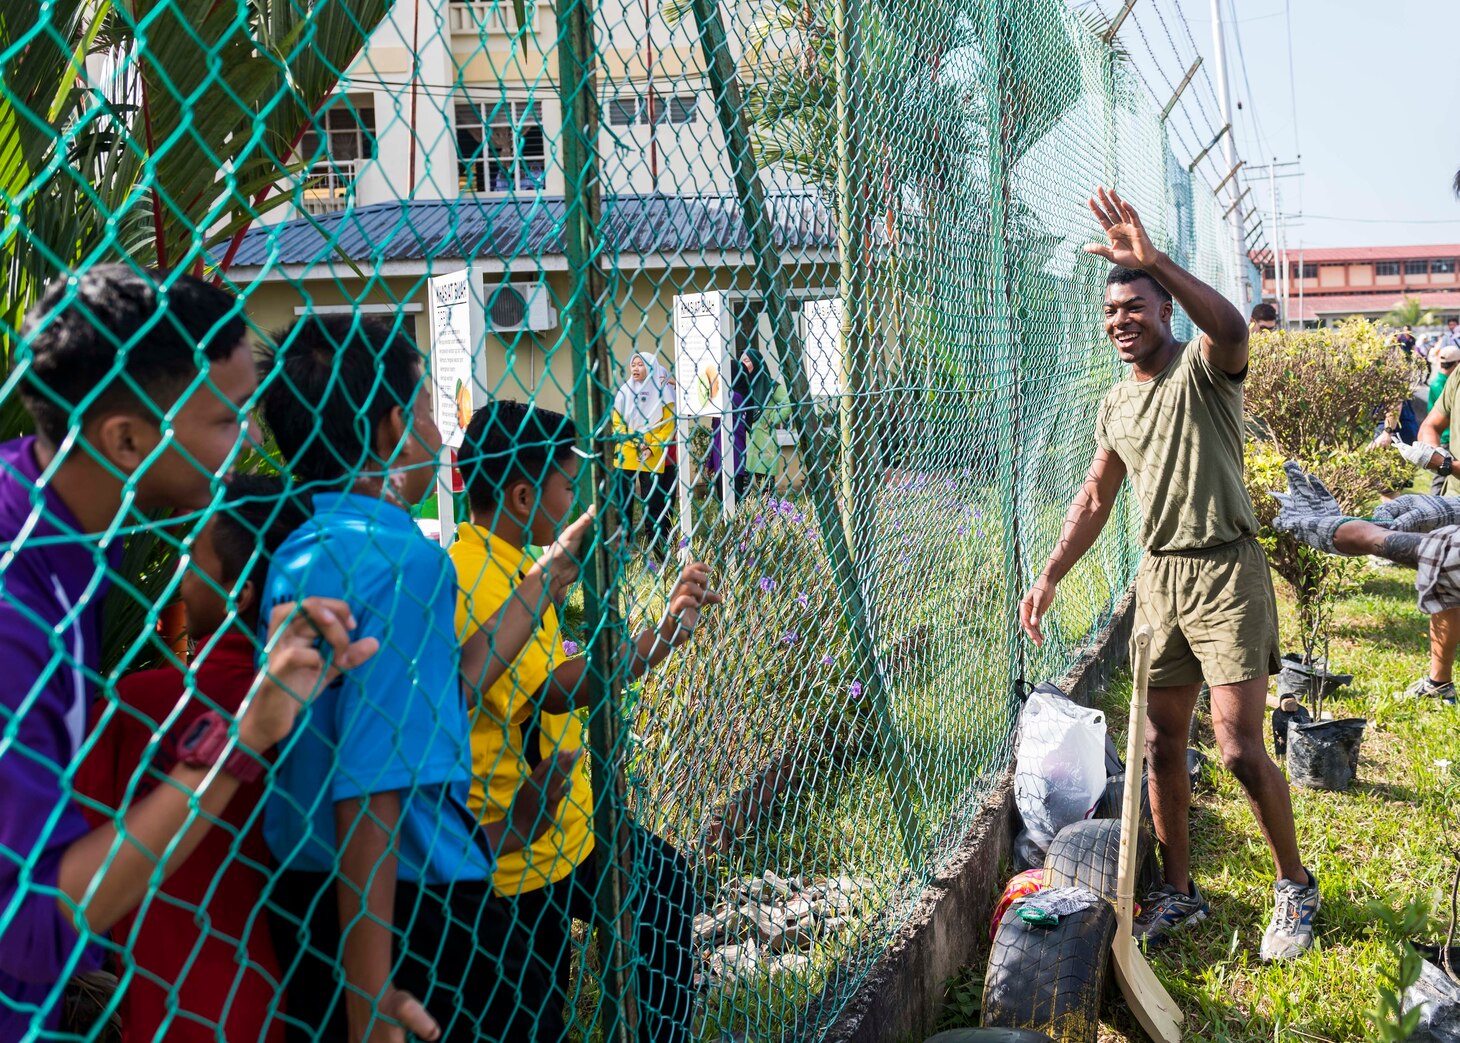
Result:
pixel 1147 998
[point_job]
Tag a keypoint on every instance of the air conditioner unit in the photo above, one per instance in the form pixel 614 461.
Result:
pixel 520 306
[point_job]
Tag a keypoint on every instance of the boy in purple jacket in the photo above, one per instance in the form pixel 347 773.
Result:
pixel 138 384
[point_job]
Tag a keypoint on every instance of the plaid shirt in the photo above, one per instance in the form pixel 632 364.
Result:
pixel 1438 581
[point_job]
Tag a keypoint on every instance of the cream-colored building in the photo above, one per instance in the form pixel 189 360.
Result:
pixel 440 150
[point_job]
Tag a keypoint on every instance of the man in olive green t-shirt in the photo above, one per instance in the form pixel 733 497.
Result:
pixel 1175 428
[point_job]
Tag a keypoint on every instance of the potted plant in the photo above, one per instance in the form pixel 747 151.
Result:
pixel 1316 396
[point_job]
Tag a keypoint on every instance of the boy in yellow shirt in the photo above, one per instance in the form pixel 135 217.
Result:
pixel 521 469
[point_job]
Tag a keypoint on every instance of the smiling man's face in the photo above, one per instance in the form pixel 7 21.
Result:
pixel 1137 320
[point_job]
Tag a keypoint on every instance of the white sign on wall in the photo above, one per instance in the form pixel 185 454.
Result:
pixel 451 353
pixel 821 346
pixel 453 302
pixel 702 337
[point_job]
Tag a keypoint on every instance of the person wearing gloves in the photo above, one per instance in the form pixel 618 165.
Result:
pixel 1175 427
pixel 643 415
pixel 1422 532
pixel 1434 451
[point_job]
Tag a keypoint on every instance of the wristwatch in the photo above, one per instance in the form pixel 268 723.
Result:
pixel 204 742
pixel 1447 464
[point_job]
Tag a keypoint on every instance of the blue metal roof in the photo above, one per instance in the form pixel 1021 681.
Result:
pixel 529 226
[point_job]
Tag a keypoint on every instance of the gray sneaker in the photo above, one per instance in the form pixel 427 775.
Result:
pixel 1424 688
pixel 1167 911
pixel 1290 934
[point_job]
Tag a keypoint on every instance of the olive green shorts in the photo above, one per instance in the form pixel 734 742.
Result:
pixel 1212 613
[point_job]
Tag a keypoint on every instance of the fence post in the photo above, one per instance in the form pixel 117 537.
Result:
pixel 593 371
pixel 859 402
pixel 811 434
pixel 1004 307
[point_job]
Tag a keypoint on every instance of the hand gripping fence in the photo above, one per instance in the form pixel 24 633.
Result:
pixel 324 323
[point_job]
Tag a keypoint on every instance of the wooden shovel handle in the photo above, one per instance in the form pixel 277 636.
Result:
pixel 1135 763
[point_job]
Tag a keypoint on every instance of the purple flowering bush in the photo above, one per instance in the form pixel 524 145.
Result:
pixel 768 677
pixel 766 700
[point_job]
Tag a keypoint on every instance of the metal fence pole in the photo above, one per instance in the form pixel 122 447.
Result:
pixel 813 438
pixel 592 373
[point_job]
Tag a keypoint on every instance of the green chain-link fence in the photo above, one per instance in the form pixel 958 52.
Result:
pixel 842 238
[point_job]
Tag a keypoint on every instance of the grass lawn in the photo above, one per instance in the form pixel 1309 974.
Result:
pixel 1388 839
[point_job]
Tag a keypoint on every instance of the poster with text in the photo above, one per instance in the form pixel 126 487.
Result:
pixel 451 353
pixel 701 335
pixel 821 339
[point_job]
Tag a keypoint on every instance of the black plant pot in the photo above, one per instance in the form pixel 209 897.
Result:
pixel 1303 680
pixel 1325 754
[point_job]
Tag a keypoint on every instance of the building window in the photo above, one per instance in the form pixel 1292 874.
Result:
pixel 1416 267
pixel 1269 272
pixel 500 146
pixel 625 110
pixel 1386 268
pixel 348 130
pixel 1310 271
pixel 1442 267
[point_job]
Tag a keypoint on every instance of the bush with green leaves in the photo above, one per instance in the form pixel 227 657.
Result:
pixel 1316 396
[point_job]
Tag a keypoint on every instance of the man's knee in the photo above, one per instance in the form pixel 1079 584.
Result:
pixel 1248 762
pixel 1166 747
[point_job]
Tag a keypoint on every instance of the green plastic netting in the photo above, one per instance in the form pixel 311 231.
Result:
pixel 880 203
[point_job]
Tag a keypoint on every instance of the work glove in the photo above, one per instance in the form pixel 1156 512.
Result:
pixel 1309 511
pixel 1416 513
pixel 1418 453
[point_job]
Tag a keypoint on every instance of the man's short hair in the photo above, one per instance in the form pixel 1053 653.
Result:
pixel 327 387
pixel 510 441
pixel 257 515
pixel 1264 312
pixel 1125 276
pixel 115 338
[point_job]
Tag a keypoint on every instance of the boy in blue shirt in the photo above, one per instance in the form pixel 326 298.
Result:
pixel 368 817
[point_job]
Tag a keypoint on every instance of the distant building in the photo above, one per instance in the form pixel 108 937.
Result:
pixel 1338 282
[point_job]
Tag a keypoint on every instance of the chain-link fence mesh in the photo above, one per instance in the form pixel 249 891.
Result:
pixel 805 278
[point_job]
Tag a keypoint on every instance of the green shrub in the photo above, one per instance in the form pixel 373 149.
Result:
pixel 1315 396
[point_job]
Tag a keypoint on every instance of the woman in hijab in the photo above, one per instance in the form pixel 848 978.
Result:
pixel 751 388
pixel 643 418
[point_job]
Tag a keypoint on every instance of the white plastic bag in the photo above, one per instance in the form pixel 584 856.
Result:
pixel 1060 770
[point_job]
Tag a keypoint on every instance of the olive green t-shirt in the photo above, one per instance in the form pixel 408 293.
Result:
pixel 1447 403
pixel 1180 438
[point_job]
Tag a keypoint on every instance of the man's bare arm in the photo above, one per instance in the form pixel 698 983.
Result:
pixel 1226 345
pixel 1084 521
pixel 1359 537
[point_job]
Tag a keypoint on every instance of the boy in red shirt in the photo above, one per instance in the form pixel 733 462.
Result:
pixel 200 964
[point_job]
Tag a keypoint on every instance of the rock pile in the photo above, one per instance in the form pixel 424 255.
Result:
pixel 766 924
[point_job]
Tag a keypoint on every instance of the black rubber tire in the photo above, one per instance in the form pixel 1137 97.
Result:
pixel 1050 979
pixel 1087 854
pixel 1113 799
pixel 989 1036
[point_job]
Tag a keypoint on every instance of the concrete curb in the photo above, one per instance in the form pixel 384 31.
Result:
pixel 901 997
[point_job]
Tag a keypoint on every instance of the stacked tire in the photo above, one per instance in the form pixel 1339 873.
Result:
pixel 1053 979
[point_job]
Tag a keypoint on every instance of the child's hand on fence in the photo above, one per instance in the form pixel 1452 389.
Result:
pixel 1033 607
pixel 409 1017
pixel 296 669
pixel 535 808
pixel 562 563
pixel 691 593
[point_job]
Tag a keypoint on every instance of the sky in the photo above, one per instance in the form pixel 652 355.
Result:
pixel 1377 113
